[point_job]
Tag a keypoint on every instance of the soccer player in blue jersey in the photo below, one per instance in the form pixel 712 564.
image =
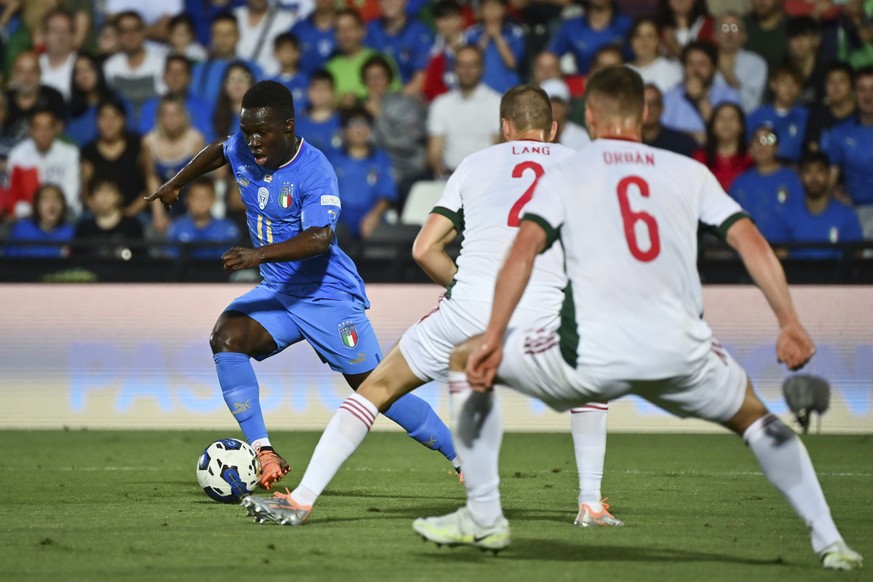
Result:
pixel 311 289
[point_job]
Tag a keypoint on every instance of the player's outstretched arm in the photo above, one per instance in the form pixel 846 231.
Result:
pixel 208 159
pixel 794 347
pixel 312 242
pixel 429 249
pixel 511 283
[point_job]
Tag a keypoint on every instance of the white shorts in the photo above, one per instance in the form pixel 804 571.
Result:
pixel 427 345
pixel 532 364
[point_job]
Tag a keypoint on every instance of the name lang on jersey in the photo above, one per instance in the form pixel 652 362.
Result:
pixel 530 149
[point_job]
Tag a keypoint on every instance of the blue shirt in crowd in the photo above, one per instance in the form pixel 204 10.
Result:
pixel 682 115
pixel 199 111
pixel 297 84
pixel 409 47
pixel 790 127
pixel 316 45
pixel 497 75
pixel 26 230
pixel 185 230
pixel 838 223
pixel 363 182
pixel 768 198
pixel 207 77
pixel 324 135
pixel 849 145
pixel 577 37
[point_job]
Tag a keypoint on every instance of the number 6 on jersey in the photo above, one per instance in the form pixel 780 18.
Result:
pixel 630 218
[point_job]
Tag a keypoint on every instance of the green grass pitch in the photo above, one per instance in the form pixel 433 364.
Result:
pixel 95 505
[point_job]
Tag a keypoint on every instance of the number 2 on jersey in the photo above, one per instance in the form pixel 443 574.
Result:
pixel 518 171
pixel 630 218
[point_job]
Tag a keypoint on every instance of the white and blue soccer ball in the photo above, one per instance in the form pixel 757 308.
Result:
pixel 228 470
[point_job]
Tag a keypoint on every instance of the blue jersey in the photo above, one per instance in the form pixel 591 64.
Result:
pixel 363 182
pixel 409 47
pixel 185 230
pixel 838 223
pixel 26 230
pixel 282 203
pixel 850 146
pixel 789 125
pixel 316 45
pixel 324 135
pixel 497 75
pixel 577 37
pixel 768 199
pixel 297 84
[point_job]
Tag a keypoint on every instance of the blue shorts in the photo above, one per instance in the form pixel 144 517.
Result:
pixel 337 329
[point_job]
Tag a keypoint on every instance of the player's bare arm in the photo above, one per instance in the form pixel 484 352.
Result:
pixel 311 242
pixel 429 249
pixel 208 159
pixel 511 283
pixel 794 347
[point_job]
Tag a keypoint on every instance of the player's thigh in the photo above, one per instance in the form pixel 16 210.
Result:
pixel 427 345
pixel 267 308
pixel 714 391
pixel 339 332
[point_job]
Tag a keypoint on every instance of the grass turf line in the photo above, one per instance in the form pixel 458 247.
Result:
pixel 100 505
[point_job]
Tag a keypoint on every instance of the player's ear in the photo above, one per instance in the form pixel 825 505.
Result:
pixel 553 132
pixel 589 121
pixel 289 125
pixel 505 130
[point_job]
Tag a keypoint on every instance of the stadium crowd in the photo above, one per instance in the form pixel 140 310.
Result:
pixel 104 101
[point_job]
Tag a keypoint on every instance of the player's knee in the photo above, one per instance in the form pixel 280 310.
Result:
pixel 222 340
pixel 460 355
pixel 751 410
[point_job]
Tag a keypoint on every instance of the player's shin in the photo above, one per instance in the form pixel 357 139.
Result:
pixel 785 462
pixel 478 432
pixel 344 434
pixel 588 426
pixel 239 386
pixel 421 423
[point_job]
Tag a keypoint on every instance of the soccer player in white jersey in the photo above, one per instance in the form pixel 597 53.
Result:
pixel 484 199
pixel 627 216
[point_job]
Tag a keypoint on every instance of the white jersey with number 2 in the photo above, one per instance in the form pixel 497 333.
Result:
pixel 628 217
pixel 486 197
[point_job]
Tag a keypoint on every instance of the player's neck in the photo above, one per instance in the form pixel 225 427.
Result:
pixel 295 146
pixel 626 135
pixel 529 135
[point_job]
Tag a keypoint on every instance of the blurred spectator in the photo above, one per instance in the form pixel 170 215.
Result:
pixel 688 106
pixel 56 63
pixel 107 231
pixel 655 134
pixel 399 124
pixel 768 189
pixel 26 94
pixel 502 44
pixel 107 42
pixel 784 114
pixel 317 36
pixel 286 50
pixel 136 71
pixel 725 150
pixel 346 65
pixel 182 40
pixel 546 65
pixel 209 75
pixel 720 7
pixel 464 120
pixel 259 23
pixel 177 80
pixel 47 224
pixel 15 35
pixel 683 22
pixel 439 76
pixel 405 40
pixel 855 33
pixel 238 78
pixel 838 104
pixel 198 225
pixel 320 123
pixel 581 36
pixel 804 43
pixel 645 42
pixel 154 14
pixel 42 159
pixel 364 176
pixel 168 148
pixel 742 70
pixel 767 31
pixel 610 55
pixel 569 134
pixel 87 89
pixel 116 155
pixel 84 26
pixel 820 218
pixel 204 12
pixel 849 146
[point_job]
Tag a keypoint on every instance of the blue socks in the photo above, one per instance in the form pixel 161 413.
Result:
pixel 421 423
pixel 239 386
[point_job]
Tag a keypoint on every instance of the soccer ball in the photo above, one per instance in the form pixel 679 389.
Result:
pixel 228 470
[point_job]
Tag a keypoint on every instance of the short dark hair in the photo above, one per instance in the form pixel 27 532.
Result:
pixel 183 18
pixel 810 158
pixel 202 181
pixel 186 62
pixel 128 14
pixel 322 75
pixel 706 48
pixel 63 13
pixel 114 102
pixel 224 16
pixel 286 38
pixel 527 107
pixel 445 8
pixel 352 13
pixel 863 72
pixel 349 114
pixel 98 182
pixel 40 192
pixel 378 60
pixel 789 70
pixel 622 86
pixel 638 24
pixel 270 94
pixel 801 26
pixel 43 110
pixel 840 67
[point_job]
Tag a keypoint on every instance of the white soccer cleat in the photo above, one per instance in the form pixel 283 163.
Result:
pixel 587 517
pixel 839 556
pixel 280 509
pixel 459 529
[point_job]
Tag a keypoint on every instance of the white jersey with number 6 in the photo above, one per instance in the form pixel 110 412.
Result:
pixel 486 197
pixel 628 216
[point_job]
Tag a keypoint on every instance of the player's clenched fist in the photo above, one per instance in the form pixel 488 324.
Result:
pixel 794 348
pixel 239 258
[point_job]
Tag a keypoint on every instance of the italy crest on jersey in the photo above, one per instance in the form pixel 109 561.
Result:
pixel 286 195
pixel 263 197
pixel 349 334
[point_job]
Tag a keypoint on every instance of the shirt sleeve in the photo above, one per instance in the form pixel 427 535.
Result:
pixel 320 203
pixel 451 204
pixel 718 211
pixel 546 208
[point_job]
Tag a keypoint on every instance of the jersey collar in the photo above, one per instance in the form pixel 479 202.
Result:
pixel 296 155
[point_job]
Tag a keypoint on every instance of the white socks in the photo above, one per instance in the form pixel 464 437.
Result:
pixel 344 434
pixel 477 434
pixel 588 425
pixel 785 462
